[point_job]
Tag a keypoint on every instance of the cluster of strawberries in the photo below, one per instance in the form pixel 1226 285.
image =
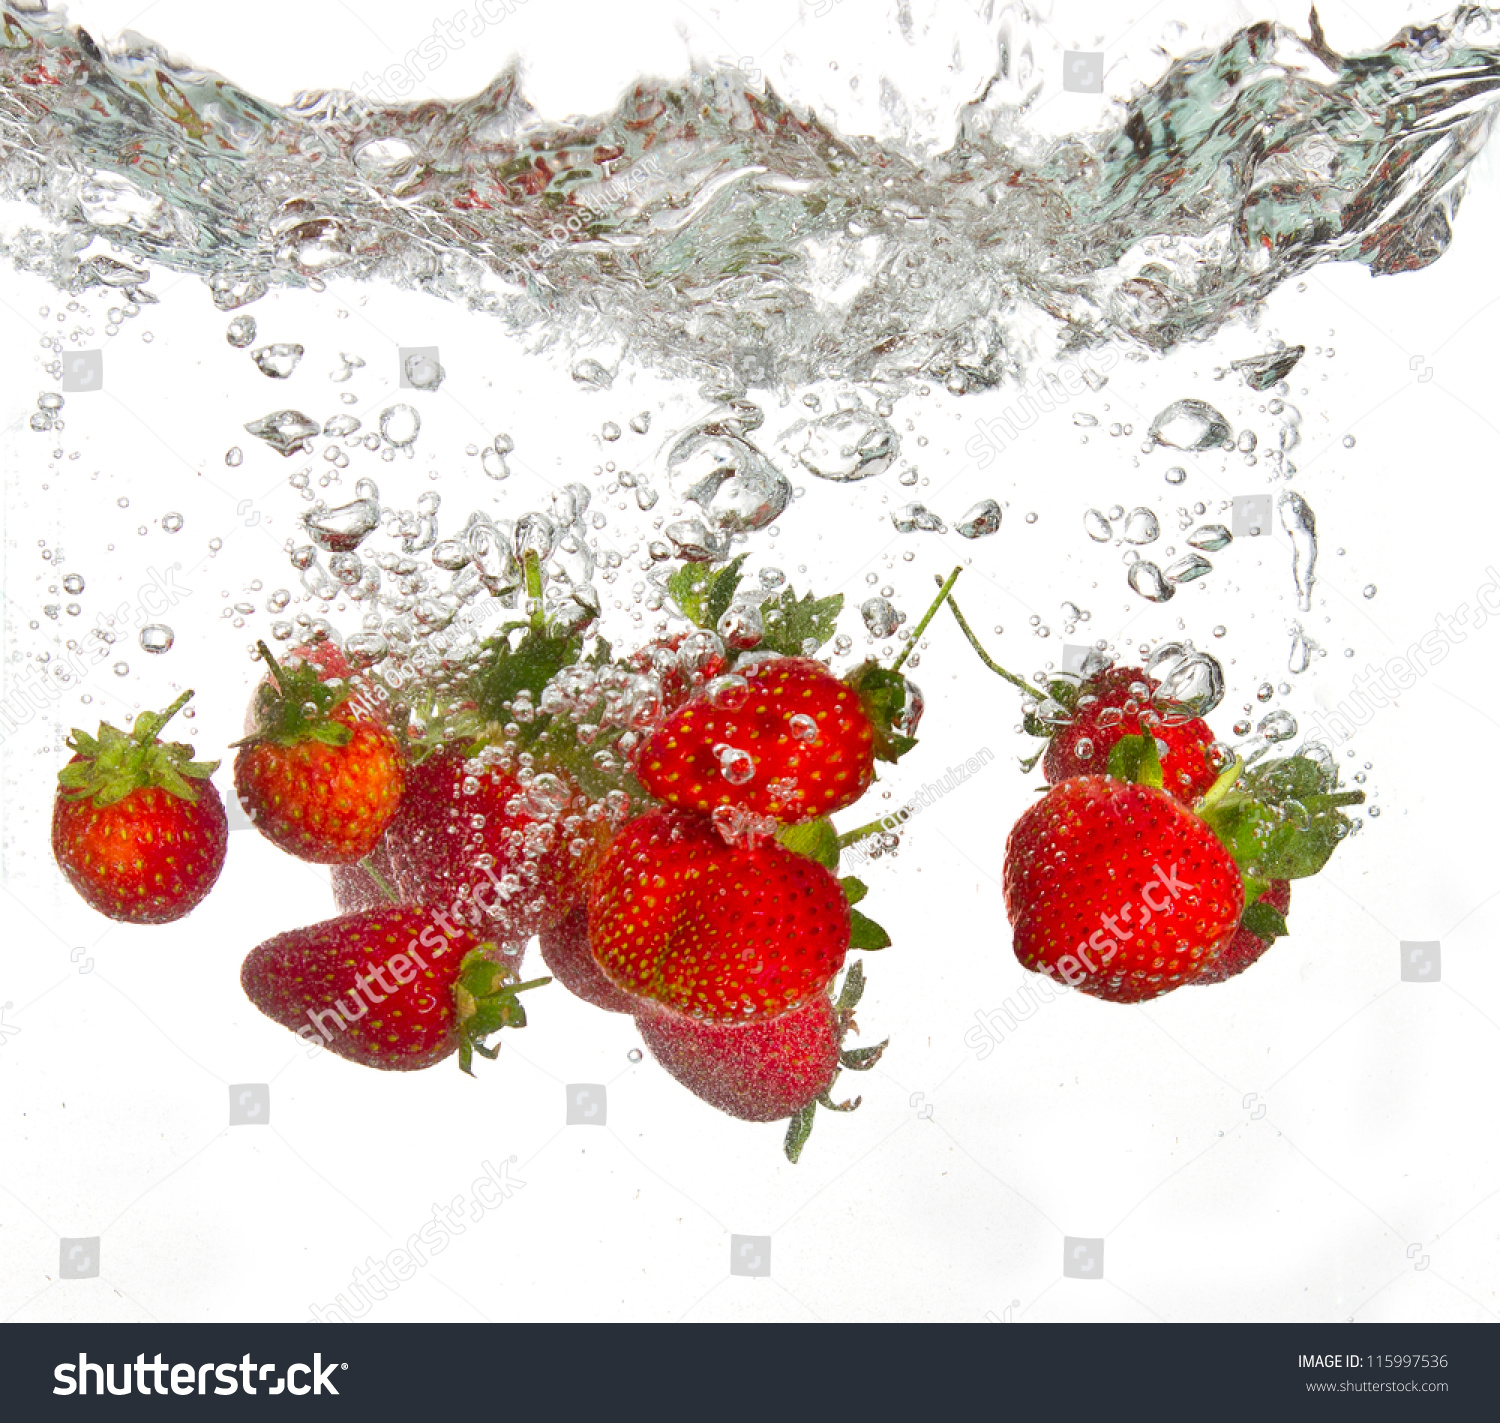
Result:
pixel 1158 857
pixel 660 821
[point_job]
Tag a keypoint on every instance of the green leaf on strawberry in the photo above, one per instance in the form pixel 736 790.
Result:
pixel 852 991
pixel 854 890
pixel 791 623
pixel 817 839
pixel 884 693
pixel 862 1059
pixel 798 1129
pixel 513 665
pixel 114 763
pixel 703 593
pixel 1283 819
pixel 1264 921
pixel 293 705
pixel 485 1001
pixel 865 933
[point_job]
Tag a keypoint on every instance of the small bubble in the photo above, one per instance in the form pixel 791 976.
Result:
pixel 1031 518
pixel 233 456
pixel 156 638
pixel 736 766
pixel 1176 475
pixel 804 728
pixel 73 583
pixel 123 502
pixel 1369 590
pixel 1348 443
pixel 121 669
pixel 634 1055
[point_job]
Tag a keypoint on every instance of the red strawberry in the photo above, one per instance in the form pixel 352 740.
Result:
pixel 570 960
pixel 137 826
pixel 793 742
pixel 499 850
pixel 1111 706
pixel 320 779
pixel 356 888
pixel 763 1071
pixel 1118 890
pixel 1246 946
pixel 682 664
pixel 729 933
pixel 397 988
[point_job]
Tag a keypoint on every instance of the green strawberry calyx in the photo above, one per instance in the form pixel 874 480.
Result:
pixel 1279 819
pixel 294 704
pixel 799 1127
pixel 485 997
pixel 113 763
pixel 1264 920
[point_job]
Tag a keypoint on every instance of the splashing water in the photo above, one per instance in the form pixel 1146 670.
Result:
pixel 706 223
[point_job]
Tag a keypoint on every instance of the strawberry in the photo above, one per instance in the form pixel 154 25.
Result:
pixel 787 739
pixel 366 885
pixel 1117 889
pixel 763 1071
pixel 570 960
pixel 1257 931
pixel 682 664
pixel 398 988
pixel 319 777
pixel 726 932
pixel 137 826
pixel 1087 722
pixel 511 852
pixel 1118 703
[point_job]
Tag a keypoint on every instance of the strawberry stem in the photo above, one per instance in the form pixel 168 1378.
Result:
pixel 863 832
pixel 273 673
pixel 381 883
pixel 148 725
pixel 533 569
pixel 984 656
pixel 927 617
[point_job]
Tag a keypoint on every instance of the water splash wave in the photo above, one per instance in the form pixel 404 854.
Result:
pixel 713 229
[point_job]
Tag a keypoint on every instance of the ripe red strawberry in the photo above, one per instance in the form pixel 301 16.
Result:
pixel 397 988
pixel 1111 706
pixel 1247 946
pixel 512 854
pixel 320 779
pixel 1118 890
pixel 729 933
pixel 682 663
pixel 570 960
pixel 763 1071
pixel 137 826
pixel 356 888
pixel 793 742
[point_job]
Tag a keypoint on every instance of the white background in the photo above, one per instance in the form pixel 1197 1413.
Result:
pixel 1368 1189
